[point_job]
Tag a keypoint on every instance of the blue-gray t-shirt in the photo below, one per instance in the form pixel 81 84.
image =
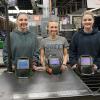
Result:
pixel 54 47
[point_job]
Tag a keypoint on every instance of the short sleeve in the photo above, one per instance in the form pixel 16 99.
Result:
pixel 66 44
pixel 42 44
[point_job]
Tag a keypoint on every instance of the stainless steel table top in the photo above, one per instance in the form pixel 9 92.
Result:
pixel 42 86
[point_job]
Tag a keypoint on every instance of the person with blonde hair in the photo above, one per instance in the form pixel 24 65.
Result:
pixel 23 42
pixel 53 46
pixel 86 41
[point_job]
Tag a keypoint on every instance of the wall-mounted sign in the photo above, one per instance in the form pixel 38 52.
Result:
pixel 93 3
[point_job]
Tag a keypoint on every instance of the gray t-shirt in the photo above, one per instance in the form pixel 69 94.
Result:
pixel 54 47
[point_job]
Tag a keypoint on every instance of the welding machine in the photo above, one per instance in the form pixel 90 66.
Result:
pixel 86 63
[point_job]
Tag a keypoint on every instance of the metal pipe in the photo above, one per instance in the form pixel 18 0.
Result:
pixel 50 7
pixel 9 67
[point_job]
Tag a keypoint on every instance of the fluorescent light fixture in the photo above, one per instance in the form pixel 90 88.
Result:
pixel 17 8
pixel 12 19
pixel 16 11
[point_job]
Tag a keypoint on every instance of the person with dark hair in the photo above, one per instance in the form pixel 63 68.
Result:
pixel 53 46
pixel 86 41
pixel 23 42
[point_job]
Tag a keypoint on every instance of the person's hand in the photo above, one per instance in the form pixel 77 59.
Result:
pixel 74 66
pixel 63 67
pixel 49 70
pixel 95 67
pixel 34 67
pixel 40 68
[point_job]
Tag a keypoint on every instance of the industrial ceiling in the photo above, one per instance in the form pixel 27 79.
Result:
pixel 64 6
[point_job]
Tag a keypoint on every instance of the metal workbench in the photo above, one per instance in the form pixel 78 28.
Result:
pixel 44 86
